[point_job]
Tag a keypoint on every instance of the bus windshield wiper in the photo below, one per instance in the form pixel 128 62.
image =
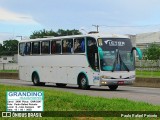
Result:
pixel 115 62
pixel 123 63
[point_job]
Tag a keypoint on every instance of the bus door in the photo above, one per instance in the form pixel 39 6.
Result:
pixel 92 56
pixel 92 53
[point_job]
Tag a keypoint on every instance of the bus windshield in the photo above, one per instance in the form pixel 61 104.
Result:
pixel 117 54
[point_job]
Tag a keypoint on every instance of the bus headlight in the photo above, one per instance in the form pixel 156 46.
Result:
pixel 103 82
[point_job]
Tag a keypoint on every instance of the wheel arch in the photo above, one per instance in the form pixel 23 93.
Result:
pixel 33 73
pixel 80 75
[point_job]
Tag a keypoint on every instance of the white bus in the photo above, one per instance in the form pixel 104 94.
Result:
pixel 83 60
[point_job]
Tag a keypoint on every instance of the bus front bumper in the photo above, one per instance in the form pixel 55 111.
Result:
pixel 107 82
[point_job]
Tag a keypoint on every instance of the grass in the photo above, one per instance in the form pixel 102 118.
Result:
pixel 148 74
pixel 8 71
pixel 65 101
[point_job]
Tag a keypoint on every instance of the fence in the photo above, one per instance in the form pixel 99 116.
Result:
pixel 148 65
pixel 8 66
pixel 148 69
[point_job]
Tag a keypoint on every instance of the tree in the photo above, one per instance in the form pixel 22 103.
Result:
pixel 10 47
pixel 152 52
pixel 43 33
pixel 62 32
pixel 1 47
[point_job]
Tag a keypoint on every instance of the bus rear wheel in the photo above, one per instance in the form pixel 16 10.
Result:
pixel 113 87
pixel 83 83
pixel 35 80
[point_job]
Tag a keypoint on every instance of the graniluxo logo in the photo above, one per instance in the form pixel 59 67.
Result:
pixel 26 93
pixel 114 43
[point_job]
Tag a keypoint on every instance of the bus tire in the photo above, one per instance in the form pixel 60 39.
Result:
pixel 83 83
pixel 35 79
pixel 113 87
pixel 42 84
pixel 61 84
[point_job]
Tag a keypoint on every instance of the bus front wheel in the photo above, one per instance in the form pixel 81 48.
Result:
pixel 83 83
pixel 113 87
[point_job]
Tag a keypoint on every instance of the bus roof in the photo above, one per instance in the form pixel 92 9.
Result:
pixel 95 35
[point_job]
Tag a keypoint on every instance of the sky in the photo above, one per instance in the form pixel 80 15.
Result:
pixel 23 17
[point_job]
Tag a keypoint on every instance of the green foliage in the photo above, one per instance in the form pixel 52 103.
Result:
pixel 8 71
pixel 65 101
pixel 9 47
pixel 43 33
pixel 61 32
pixel 1 47
pixel 152 52
pixel 148 74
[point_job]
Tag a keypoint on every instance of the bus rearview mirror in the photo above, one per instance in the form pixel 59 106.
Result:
pixel 139 52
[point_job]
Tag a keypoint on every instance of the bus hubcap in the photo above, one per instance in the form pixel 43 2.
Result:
pixel 35 80
pixel 83 81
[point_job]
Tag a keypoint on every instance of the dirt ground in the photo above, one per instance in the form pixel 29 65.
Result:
pixel 9 76
pixel 147 82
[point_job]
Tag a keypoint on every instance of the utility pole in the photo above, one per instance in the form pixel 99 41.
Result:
pixel 97 26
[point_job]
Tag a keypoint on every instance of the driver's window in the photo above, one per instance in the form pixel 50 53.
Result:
pixel 92 53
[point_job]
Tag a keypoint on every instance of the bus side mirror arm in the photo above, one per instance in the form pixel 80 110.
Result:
pixel 100 51
pixel 139 52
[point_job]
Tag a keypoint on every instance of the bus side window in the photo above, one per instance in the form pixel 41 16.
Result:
pixel 56 46
pixel 27 49
pixel 79 45
pixel 35 47
pixel 67 46
pixel 21 48
pixel 45 48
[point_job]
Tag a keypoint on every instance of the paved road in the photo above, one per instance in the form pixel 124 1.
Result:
pixel 149 95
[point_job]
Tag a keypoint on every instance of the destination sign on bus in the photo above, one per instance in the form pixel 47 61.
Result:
pixel 115 43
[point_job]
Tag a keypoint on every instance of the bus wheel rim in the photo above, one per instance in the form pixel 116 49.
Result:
pixel 35 80
pixel 83 81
